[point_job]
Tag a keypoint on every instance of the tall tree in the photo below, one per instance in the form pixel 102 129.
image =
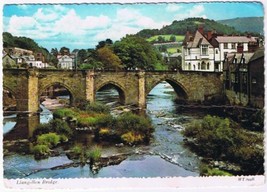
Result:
pixel 136 52
pixel 109 59
pixel 64 51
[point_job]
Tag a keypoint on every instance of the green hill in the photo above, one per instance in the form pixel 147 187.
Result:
pixel 191 24
pixel 247 24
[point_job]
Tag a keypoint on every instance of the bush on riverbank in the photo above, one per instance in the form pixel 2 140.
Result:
pixel 128 128
pixel 56 125
pixel 40 151
pixel 219 139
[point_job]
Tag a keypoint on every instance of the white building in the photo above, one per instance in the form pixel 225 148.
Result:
pixel 197 53
pixel 206 52
pixel 65 61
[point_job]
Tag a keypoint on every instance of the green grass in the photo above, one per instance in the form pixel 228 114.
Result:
pixel 166 37
pixel 173 49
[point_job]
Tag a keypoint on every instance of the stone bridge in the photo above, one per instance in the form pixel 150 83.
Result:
pixel 27 85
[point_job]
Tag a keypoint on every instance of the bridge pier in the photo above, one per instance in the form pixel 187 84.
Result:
pixel 141 90
pixel 27 93
pixel 90 86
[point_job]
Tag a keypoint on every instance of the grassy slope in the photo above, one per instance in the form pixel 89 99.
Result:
pixel 166 37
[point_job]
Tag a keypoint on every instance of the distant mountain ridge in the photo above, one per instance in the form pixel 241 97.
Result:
pixel 246 24
pixel 228 27
pixel 190 24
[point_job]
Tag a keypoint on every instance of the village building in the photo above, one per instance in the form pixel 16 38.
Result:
pixel 66 61
pixel 243 75
pixel 206 51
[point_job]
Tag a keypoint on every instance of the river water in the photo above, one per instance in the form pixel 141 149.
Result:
pixel 165 156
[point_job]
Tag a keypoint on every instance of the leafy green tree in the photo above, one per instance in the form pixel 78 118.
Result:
pixel 161 39
pixel 102 44
pixel 136 52
pixel 172 38
pixel 64 51
pixel 109 59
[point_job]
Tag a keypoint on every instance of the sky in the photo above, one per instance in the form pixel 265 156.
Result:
pixel 82 26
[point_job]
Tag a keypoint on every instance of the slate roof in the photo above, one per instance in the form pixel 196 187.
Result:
pixel 234 39
pixel 198 40
pixel 259 53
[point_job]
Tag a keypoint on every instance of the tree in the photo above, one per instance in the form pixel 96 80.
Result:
pixel 54 51
pixel 81 56
pixel 136 52
pixel 172 38
pixel 101 44
pixel 161 39
pixel 64 51
pixel 109 59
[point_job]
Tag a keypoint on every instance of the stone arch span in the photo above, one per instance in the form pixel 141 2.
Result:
pixel 180 90
pixel 9 98
pixel 71 92
pixel 118 88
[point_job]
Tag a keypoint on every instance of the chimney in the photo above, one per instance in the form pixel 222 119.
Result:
pixel 200 29
pixel 209 35
pixel 240 48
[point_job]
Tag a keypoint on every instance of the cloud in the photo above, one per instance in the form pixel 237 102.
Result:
pixel 45 15
pixel 66 26
pixel 173 7
pixel 196 11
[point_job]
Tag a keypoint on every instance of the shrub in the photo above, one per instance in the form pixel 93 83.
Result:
pixel 97 108
pixel 42 129
pixel 61 127
pixel 88 121
pixel 131 122
pixel 132 138
pixel 64 112
pixel 94 154
pixel 41 150
pixel 77 150
pixel 48 139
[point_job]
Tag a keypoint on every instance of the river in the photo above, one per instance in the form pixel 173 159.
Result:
pixel 165 156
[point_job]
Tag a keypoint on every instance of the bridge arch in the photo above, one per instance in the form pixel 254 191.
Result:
pixel 180 90
pixel 69 89
pixel 118 88
pixel 12 97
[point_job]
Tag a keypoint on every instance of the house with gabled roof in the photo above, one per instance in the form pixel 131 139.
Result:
pixel 206 52
pixel 197 52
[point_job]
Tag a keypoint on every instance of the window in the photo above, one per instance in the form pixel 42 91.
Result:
pixel 225 45
pixel 204 49
pixel 208 66
pixel 189 66
pixel 189 52
pixel 216 51
pixel 198 65
pixel 233 46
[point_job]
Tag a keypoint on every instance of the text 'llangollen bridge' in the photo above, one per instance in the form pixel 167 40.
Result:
pixel 27 85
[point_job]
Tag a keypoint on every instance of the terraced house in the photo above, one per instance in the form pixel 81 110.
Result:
pixel 207 51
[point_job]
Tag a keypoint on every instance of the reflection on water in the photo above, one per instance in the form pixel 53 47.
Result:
pixel 165 156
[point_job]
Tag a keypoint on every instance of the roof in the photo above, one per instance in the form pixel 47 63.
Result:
pixel 235 39
pixel 198 40
pixel 239 56
pixel 259 53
